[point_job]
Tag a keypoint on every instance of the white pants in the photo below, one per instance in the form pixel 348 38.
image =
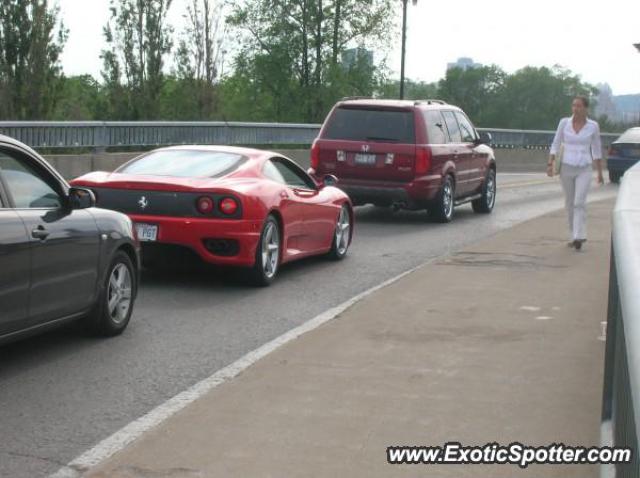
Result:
pixel 576 182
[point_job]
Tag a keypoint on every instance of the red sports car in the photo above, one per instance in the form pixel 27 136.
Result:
pixel 232 206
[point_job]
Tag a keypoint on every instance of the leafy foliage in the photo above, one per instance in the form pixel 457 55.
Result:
pixel 292 60
pixel 138 40
pixel 31 41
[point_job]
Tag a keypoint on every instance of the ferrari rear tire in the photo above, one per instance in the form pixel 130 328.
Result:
pixel 267 254
pixel 341 235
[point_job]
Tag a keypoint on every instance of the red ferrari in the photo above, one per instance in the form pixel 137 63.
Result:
pixel 232 206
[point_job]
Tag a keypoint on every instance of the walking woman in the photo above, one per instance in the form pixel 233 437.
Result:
pixel 579 137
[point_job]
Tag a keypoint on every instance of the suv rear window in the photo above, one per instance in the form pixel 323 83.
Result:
pixel 367 124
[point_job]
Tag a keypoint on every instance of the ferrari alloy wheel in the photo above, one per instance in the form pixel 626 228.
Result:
pixel 342 235
pixel 267 254
pixel 270 249
pixel 112 311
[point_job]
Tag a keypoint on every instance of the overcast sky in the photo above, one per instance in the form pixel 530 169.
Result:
pixel 593 39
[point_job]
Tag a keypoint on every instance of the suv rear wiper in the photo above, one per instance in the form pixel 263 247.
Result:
pixel 381 138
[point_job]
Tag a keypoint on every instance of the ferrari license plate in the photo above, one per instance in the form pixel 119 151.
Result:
pixel 365 159
pixel 147 232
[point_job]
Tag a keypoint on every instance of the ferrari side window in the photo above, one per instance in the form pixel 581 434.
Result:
pixel 292 177
pixel 270 171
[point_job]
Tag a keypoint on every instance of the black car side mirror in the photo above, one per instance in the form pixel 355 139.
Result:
pixel 81 198
pixel 329 180
pixel 485 138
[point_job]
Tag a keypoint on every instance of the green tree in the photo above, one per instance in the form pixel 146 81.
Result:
pixel 31 41
pixel 199 55
pixel 291 50
pixel 536 98
pixel 475 90
pixel 414 90
pixel 138 41
pixel 81 99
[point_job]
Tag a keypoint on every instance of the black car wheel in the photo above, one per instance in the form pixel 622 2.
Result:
pixel 442 210
pixel 485 203
pixel 614 177
pixel 342 235
pixel 112 312
pixel 267 254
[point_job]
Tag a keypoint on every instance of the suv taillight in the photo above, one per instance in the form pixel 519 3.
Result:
pixel 423 160
pixel 315 155
pixel 612 151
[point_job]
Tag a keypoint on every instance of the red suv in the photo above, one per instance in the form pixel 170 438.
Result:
pixel 406 154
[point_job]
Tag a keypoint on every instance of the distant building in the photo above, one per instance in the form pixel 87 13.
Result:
pixel 464 64
pixel 604 102
pixel 357 56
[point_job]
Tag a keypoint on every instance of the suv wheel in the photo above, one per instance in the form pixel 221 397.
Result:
pixel 112 312
pixel 485 203
pixel 442 210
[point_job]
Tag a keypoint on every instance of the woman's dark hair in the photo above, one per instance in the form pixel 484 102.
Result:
pixel 584 99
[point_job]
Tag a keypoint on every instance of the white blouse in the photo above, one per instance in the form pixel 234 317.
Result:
pixel 579 148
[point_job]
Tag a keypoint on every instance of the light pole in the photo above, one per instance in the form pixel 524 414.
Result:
pixel 404 43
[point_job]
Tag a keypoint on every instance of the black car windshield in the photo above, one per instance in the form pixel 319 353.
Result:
pixel 366 124
pixel 185 163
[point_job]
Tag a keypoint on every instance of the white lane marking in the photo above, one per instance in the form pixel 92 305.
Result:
pixel 126 435
pixel 543 317
pixel 530 308
pixel 603 331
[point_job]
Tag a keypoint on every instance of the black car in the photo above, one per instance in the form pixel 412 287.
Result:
pixel 61 258
pixel 624 152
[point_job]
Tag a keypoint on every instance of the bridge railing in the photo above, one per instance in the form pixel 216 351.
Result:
pixel 621 389
pixel 101 135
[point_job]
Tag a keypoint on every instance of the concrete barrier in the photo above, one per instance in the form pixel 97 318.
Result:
pixel 74 165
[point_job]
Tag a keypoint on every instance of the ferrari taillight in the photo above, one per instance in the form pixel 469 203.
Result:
pixel 423 160
pixel 315 155
pixel 228 206
pixel 204 205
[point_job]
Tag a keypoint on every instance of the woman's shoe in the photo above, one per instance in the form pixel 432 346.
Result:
pixel 578 243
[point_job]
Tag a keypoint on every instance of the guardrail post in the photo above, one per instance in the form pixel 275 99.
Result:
pixel 100 137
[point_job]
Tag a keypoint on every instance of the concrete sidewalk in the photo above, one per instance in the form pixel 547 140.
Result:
pixel 497 343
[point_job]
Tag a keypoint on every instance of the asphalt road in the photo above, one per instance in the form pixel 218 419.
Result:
pixel 61 393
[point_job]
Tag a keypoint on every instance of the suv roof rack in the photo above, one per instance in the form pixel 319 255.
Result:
pixel 347 98
pixel 430 102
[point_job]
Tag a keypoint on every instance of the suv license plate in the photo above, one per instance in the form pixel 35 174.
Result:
pixel 147 232
pixel 365 159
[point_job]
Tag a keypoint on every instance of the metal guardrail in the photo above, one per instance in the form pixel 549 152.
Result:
pixel 621 389
pixel 101 135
